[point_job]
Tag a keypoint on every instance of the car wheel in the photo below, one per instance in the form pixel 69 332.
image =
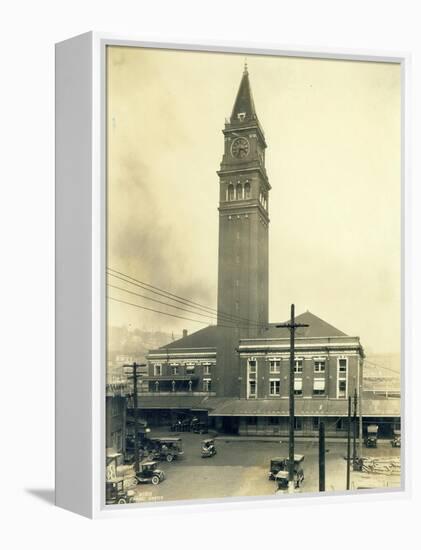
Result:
pixel 121 501
pixel 169 458
pixel 150 457
pixel 155 480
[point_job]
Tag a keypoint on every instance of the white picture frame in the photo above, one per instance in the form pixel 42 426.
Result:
pixel 81 257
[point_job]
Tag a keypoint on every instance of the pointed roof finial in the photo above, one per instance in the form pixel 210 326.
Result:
pixel 244 106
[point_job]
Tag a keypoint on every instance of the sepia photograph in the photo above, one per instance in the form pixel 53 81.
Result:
pixel 253 275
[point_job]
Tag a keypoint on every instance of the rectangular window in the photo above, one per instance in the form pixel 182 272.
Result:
pixel 252 388
pixel 157 370
pixel 252 366
pixel 275 387
pixel 342 366
pixel 342 388
pixel 190 369
pixel 298 386
pixel 273 420
pixel 252 420
pixel 298 366
pixel 275 366
pixel 319 386
pixel 316 422
pixel 319 365
pixel 206 369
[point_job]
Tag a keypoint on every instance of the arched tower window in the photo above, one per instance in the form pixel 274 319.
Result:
pixel 247 190
pixel 230 192
pixel 239 192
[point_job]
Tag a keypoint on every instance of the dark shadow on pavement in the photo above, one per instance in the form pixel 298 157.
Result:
pixel 47 495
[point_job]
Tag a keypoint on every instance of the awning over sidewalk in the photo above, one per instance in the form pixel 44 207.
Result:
pixel 303 407
pixel 220 406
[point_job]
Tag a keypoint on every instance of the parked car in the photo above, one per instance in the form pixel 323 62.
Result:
pixel 276 465
pixel 183 424
pixel 198 427
pixel 396 441
pixel 116 493
pixel 282 479
pixel 167 448
pixel 279 464
pixel 149 473
pixel 371 437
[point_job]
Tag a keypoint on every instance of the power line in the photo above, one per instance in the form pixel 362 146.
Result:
pixel 209 316
pixel 381 366
pixel 164 312
pixel 179 299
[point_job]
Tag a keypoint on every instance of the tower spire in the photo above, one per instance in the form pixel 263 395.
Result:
pixel 244 110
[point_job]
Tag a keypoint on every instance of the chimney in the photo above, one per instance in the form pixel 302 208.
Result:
pixel 184 332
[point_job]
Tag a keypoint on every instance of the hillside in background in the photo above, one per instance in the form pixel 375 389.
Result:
pixel 123 341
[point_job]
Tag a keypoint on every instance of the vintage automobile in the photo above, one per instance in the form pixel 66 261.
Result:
pixel 396 441
pixel 198 427
pixel 282 476
pixel 116 493
pixel 208 448
pixel 371 437
pixel 276 465
pixel 149 473
pixel 279 464
pixel 167 448
pixel 183 424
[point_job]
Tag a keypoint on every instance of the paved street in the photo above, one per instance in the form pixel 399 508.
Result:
pixel 240 468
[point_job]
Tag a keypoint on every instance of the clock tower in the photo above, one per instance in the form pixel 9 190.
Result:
pixel 243 234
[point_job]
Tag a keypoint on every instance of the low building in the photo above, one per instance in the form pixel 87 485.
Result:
pixel 115 414
pixel 328 369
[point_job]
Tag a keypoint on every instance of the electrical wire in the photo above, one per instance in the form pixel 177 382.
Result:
pixel 165 313
pixel 209 316
pixel 184 301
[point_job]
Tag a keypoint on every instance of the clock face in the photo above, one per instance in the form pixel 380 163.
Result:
pixel 240 147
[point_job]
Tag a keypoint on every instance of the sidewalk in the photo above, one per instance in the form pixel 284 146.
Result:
pixel 280 439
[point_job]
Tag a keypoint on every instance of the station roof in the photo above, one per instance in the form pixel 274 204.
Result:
pixel 318 328
pixel 203 338
pixel 207 337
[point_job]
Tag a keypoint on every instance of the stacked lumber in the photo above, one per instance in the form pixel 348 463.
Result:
pixel 381 465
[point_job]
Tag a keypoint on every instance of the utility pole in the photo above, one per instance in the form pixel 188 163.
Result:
pixel 360 391
pixel 348 452
pixel 322 457
pixel 134 377
pixel 354 431
pixel 292 326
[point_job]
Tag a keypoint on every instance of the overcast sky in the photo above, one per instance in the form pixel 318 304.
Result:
pixel 333 160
